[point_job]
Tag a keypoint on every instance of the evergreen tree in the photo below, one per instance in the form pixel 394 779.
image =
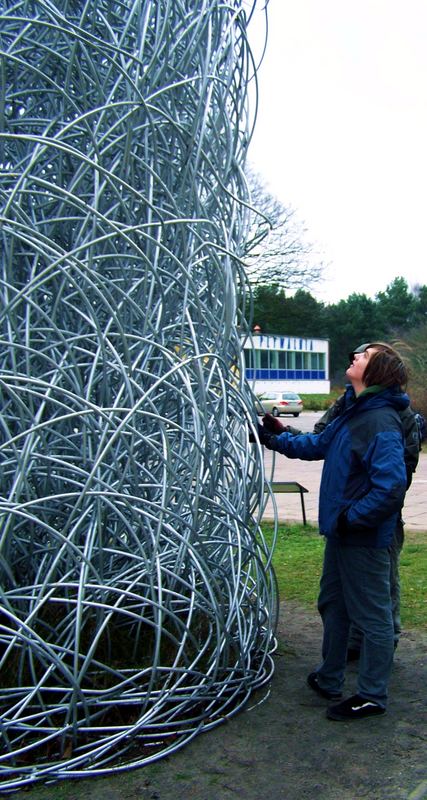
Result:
pixel 350 323
pixel 398 306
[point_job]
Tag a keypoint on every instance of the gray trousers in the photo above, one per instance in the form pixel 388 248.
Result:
pixel 355 588
pixel 355 637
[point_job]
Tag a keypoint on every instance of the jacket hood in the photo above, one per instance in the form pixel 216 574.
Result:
pixel 388 396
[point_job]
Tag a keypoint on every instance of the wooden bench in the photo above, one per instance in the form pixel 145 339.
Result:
pixel 291 487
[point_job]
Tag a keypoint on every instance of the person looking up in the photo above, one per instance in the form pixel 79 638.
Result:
pixel 411 456
pixel 362 490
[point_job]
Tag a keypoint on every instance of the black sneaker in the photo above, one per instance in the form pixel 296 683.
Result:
pixel 355 707
pixel 314 684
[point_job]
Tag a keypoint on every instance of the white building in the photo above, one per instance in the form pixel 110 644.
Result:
pixel 283 363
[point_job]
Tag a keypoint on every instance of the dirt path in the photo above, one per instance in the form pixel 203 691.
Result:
pixel 284 748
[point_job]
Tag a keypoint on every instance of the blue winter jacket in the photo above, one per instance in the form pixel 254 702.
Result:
pixel 363 478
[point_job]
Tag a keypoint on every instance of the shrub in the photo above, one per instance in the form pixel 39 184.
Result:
pixel 321 402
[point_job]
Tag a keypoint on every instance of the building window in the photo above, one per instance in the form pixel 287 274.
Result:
pixel 264 360
pixel 269 364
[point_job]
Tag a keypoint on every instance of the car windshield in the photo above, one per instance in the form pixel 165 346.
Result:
pixel 290 396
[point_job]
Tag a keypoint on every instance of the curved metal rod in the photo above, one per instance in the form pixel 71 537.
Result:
pixel 138 599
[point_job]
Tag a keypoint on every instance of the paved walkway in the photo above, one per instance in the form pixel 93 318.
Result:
pixel 308 474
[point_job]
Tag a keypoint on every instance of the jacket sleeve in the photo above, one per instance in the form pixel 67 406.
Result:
pixel 306 446
pixel 384 461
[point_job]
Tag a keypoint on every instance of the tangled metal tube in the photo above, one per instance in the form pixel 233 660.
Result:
pixel 138 600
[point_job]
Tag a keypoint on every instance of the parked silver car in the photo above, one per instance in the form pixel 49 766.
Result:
pixel 278 403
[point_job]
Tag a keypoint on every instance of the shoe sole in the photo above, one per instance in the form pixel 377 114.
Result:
pixel 345 718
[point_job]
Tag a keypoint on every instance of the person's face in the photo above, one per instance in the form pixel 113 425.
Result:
pixel 357 367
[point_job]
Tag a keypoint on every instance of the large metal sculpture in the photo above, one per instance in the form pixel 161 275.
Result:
pixel 138 602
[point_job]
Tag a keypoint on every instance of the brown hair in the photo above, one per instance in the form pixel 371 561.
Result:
pixel 385 367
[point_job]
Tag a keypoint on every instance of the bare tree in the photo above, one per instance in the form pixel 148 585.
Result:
pixel 277 250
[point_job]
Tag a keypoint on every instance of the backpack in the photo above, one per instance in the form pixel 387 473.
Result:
pixel 422 428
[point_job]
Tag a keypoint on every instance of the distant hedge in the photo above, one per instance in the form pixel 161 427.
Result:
pixel 320 402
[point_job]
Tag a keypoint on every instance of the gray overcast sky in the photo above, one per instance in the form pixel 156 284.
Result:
pixel 341 133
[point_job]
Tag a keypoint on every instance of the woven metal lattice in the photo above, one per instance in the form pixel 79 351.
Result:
pixel 138 602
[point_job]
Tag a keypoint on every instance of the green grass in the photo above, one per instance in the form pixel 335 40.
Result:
pixel 413 576
pixel 298 563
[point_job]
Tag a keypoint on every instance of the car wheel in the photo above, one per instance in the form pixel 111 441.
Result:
pixel 275 411
pixel 296 413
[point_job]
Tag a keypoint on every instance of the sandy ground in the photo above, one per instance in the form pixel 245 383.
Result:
pixel 285 748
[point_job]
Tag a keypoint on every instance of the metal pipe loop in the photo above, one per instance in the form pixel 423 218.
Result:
pixel 138 600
